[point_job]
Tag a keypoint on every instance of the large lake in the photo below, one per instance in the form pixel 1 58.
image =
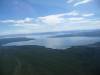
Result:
pixel 57 43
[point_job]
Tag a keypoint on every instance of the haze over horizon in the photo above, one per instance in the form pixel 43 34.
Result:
pixel 28 16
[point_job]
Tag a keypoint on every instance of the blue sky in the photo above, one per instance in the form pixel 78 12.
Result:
pixel 29 16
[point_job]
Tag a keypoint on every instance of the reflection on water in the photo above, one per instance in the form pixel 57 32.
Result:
pixel 58 43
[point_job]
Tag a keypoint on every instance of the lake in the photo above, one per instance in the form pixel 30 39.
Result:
pixel 57 43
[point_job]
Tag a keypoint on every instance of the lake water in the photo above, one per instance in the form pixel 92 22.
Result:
pixel 57 43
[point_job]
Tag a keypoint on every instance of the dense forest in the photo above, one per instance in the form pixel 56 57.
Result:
pixel 37 60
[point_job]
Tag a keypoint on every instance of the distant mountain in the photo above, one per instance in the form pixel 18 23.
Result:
pixel 88 33
pixel 58 34
pixel 7 40
pixel 72 33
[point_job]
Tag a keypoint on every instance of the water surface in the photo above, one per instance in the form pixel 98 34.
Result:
pixel 57 43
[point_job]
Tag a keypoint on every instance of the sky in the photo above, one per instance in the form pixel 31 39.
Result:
pixel 34 16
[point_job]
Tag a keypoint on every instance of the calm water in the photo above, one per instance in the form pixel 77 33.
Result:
pixel 57 43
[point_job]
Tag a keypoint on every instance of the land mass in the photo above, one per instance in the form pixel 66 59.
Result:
pixel 37 60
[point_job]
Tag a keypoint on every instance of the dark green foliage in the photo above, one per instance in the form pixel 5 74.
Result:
pixel 37 60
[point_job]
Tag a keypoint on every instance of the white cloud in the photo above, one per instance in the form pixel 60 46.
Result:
pixel 76 18
pixel 22 21
pixel 85 24
pixel 82 2
pixel 88 15
pixel 58 18
pixel 78 2
pixel 58 22
pixel 51 19
pixel 73 13
pixel 7 21
pixel 70 1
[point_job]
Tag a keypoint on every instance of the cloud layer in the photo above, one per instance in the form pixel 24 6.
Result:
pixel 72 20
pixel 78 2
pixel 59 22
